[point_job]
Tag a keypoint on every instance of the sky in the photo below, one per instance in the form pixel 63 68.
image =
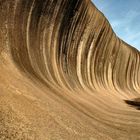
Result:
pixel 124 16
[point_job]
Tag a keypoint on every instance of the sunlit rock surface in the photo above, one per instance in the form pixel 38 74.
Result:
pixel 64 74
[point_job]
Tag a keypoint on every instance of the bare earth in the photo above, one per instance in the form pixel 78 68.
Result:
pixel 64 74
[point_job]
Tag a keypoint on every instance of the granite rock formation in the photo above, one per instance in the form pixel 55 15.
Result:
pixel 64 74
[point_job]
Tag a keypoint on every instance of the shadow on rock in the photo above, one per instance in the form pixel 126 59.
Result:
pixel 134 103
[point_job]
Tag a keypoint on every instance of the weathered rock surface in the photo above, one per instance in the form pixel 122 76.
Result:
pixel 64 74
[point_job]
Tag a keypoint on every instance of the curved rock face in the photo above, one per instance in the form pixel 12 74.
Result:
pixel 64 74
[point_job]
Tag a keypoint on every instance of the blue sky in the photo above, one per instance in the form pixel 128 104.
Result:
pixel 124 16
